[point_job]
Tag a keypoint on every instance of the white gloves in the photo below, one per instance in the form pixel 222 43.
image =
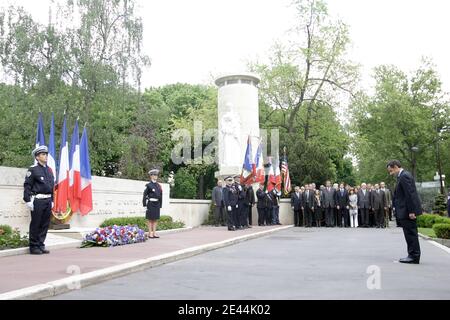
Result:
pixel 52 204
pixel 229 208
pixel 30 205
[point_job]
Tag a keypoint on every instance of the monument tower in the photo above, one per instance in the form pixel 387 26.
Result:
pixel 238 115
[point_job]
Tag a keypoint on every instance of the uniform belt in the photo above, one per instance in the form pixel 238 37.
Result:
pixel 42 196
pixel 153 199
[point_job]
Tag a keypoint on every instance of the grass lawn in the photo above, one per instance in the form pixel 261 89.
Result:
pixel 428 232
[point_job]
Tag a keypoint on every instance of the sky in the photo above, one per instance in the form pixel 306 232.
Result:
pixel 193 41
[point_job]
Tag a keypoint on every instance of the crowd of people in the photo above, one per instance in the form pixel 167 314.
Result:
pixel 338 205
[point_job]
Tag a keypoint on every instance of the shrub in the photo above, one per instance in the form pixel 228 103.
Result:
pixel 164 223
pixel 209 221
pixel 11 239
pixel 428 220
pixel 440 204
pixel 5 230
pixel 442 230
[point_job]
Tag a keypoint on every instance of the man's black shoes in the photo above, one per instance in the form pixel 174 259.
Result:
pixel 35 251
pixel 409 260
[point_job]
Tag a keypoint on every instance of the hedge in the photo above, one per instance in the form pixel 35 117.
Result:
pixel 442 230
pixel 428 220
pixel 11 239
pixel 164 223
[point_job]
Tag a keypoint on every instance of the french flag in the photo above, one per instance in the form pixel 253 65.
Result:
pixel 85 172
pixel 40 137
pixel 74 173
pixel 260 175
pixel 51 160
pixel 249 167
pixel 62 192
pixel 274 174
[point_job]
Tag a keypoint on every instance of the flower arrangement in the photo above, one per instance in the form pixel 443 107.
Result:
pixel 112 236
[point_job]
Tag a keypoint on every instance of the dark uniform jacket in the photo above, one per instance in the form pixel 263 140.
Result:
pixel 153 190
pixel 406 200
pixel 249 196
pixel 39 180
pixel 263 201
pixel 230 196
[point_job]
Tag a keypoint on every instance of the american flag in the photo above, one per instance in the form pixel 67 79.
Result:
pixel 285 173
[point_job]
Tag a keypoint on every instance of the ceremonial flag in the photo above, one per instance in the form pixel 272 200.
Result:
pixel 40 137
pixel 249 167
pixel 62 187
pixel 51 160
pixel 285 173
pixel 85 172
pixel 260 175
pixel 74 173
pixel 274 174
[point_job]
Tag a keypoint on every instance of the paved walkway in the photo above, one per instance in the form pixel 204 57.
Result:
pixel 17 272
pixel 295 263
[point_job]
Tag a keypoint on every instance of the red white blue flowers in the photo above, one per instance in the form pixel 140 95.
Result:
pixel 114 236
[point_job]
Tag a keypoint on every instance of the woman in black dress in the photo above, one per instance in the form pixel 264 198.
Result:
pixel 153 201
pixel 318 213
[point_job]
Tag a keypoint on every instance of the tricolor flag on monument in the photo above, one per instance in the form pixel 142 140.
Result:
pixel 249 166
pixel 74 173
pixel 62 187
pixel 51 160
pixel 274 174
pixel 260 175
pixel 85 172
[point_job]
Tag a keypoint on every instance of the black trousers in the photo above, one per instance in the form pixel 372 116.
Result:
pixel 329 217
pixel 269 216
pixel 230 218
pixel 411 237
pixel 308 216
pixel 243 215
pixel 262 213
pixel 343 213
pixel 298 219
pixel 40 221
pixel 364 217
pixel 379 217
pixel 250 220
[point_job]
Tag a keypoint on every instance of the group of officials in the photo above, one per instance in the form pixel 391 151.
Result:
pixel 233 204
pixel 342 205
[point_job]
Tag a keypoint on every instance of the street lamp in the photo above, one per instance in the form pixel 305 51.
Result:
pixel 413 157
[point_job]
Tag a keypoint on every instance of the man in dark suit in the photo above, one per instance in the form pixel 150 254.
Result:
pixel 248 205
pixel 296 204
pixel 329 203
pixel 217 200
pixel 342 205
pixel 308 205
pixel 407 206
pixel 378 200
pixel 364 205
pixel 262 205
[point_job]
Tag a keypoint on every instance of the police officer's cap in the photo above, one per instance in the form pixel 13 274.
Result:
pixel 153 172
pixel 38 150
pixel 229 178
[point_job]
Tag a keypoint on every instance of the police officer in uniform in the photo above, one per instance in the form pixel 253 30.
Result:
pixel 230 202
pixel 153 201
pixel 38 195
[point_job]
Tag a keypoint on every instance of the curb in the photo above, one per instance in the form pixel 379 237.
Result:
pixel 64 285
pixel 435 243
pixel 72 244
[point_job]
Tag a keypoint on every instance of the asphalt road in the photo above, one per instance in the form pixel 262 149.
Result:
pixel 296 263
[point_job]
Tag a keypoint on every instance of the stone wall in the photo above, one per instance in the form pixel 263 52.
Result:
pixel 112 198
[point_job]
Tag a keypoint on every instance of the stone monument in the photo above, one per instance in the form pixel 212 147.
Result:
pixel 238 115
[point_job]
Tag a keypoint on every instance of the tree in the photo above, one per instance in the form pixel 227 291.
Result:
pixel 400 121
pixel 308 73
